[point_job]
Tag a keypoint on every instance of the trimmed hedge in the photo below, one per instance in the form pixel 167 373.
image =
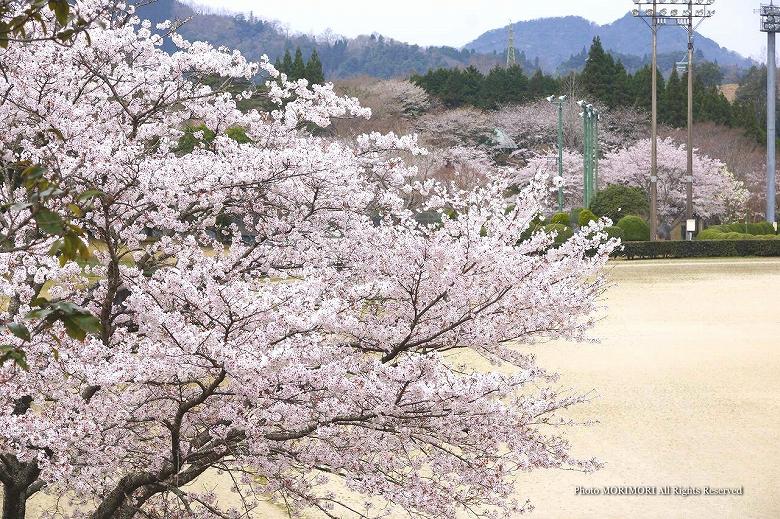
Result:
pixel 585 217
pixel 698 249
pixel 615 232
pixel 739 231
pixel 562 218
pixel 564 233
pixel 635 228
pixel 617 201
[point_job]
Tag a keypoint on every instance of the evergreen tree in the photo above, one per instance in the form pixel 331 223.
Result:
pixel 314 69
pixel 287 63
pixel 298 70
pixel 674 109
pixel 598 76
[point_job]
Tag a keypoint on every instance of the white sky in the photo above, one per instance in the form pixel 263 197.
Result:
pixel 456 22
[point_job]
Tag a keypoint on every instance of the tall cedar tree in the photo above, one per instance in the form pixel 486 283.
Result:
pixel 314 69
pixel 298 70
pixel 287 62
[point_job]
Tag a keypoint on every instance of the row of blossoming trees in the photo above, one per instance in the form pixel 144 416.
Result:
pixel 317 349
pixel 625 161
pixel 716 192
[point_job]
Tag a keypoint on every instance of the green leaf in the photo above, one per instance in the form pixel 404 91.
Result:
pixel 20 331
pixel 90 193
pixel 61 10
pixel 73 329
pixel 88 322
pixel 33 172
pixel 9 353
pixel 77 211
pixel 49 221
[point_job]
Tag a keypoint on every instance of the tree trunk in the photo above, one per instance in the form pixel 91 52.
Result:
pixel 14 501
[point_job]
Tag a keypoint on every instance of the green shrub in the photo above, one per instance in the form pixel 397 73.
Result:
pixel 698 249
pixel 238 134
pixel 536 224
pixel 585 217
pixel 634 228
pixel 564 232
pixel 617 201
pixel 739 231
pixel 561 218
pixel 615 232
pixel 189 141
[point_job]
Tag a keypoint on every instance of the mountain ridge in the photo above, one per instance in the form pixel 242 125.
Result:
pixel 379 56
pixel 627 36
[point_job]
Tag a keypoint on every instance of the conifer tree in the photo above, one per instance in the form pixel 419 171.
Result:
pixel 675 106
pixel 286 62
pixel 598 76
pixel 298 70
pixel 314 69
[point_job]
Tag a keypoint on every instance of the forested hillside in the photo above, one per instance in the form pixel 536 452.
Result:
pixel 379 56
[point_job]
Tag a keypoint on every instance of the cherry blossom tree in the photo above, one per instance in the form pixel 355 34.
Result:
pixel 267 306
pixel 716 193
pixel 535 125
pixel 572 180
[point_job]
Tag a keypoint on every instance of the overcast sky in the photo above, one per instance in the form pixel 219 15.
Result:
pixel 456 22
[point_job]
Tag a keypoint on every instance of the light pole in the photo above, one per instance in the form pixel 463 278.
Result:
pixel 688 15
pixel 559 103
pixel 590 117
pixel 770 24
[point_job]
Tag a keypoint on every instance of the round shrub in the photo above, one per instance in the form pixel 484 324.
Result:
pixel 564 232
pixel 561 218
pixel 634 228
pixel 615 232
pixel 617 201
pixel 585 217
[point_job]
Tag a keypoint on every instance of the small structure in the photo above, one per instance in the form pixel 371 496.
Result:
pixel 502 141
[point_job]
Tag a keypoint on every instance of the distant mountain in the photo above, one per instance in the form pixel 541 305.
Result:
pixel 372 55
pixel 627 38
pixel 553 44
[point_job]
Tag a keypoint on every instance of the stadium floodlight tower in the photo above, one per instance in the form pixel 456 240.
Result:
pixel 770 24
pixel 559 102
pixel 675 13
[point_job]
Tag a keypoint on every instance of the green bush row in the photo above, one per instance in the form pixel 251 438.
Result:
pixel 744 228
pixel 739 231
pixel 698 249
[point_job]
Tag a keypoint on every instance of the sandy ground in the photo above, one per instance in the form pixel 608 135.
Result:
pixel 688 382
pixel 688 376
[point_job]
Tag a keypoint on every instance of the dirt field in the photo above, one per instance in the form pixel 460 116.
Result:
pixel 688 374
pixel 688 377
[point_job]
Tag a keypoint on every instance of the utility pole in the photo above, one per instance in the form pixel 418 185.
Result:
pixel 770 24
pixel 654 136
pixel 559 101
pixel 511 53
pixel 689 145
pixel 689 17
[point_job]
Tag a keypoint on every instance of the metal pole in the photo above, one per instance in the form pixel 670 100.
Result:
pixel 654 137
pixel 586 160
pixel 689 171
pixel 560 154
pixel 771 137
pixel 596 153
pixel 590 157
